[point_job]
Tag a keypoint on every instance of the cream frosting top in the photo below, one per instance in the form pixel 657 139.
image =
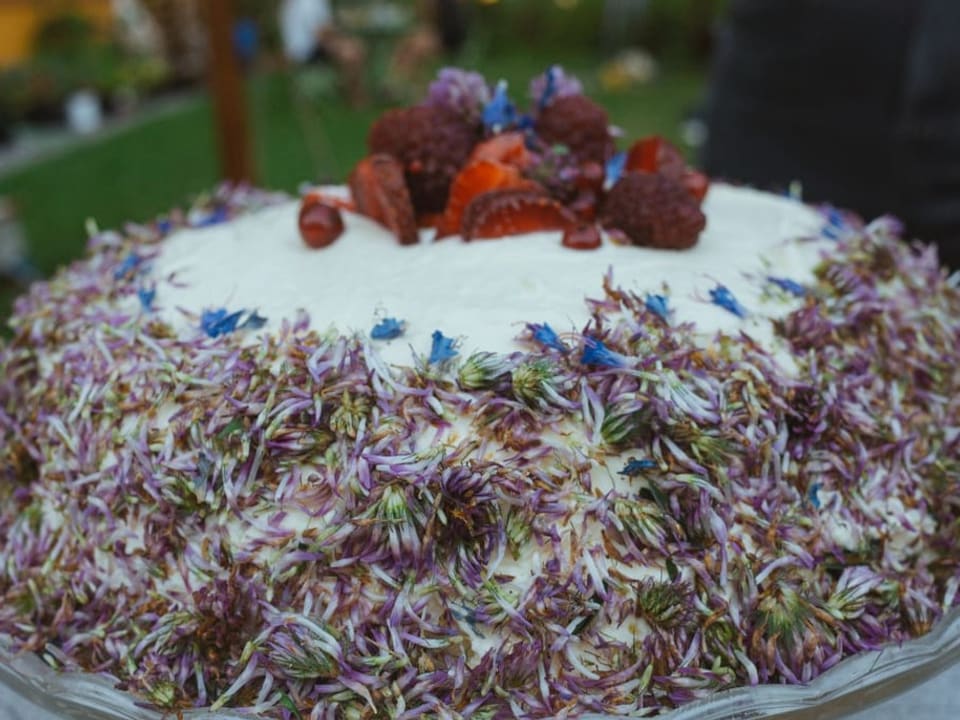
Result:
pixel 482 292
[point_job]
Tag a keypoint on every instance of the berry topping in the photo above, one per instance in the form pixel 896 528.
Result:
pixel 431 143
pixel 476 179
pixel 585 236
pixel 653 210
pixel 513 212
pixel 656 155
pixel 320 223
pixel 380 193
pixel 509 148
pixel 580 124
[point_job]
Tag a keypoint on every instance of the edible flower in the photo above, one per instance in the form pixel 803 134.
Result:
pixel 499 113
pixel 482 369
pixel 657 304
pixel 613 170
pixel 388 329
pixel 218 322
pixel 146 296
pixel 788 285
pixel 553 84
pixel 635 467
pixel 462 91
pixel 813 496
pixel 547 336
pixel 596 353
pixel 130 263
pixel 442 349
pixel 721 296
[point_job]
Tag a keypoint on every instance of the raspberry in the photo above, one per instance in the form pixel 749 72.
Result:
pixel 580 124
pixel 653 210
pixel 431 143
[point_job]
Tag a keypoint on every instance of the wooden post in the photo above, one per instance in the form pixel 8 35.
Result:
pixel 229 99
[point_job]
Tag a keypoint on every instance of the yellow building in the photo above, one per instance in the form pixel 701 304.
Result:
pixel 20 20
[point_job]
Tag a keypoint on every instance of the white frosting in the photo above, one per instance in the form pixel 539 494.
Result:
pixel 482 292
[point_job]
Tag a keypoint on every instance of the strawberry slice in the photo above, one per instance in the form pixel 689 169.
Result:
pixel 380 192
pixel 656 155
pixel 509 148
pixel 476 179
pixel 514 211
pixel 326 198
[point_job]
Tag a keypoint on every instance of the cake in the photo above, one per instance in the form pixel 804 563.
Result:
pixel 302 458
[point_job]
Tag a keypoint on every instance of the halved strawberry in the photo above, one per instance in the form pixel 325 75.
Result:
pixel 319 195
pixel 476 179
pixel 379 192
pixel 656 155
pixel 514 211
pixel 509 148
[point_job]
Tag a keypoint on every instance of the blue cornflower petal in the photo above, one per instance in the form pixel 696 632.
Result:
pixel 214 217
pixel 254 322
pixel 546 335
pixel 788 285
pixel 147 296
pixel 812 495
pixel 442 349
pixel 635 466
pixel 550 89
pixel 217 322
pixel 614 170
pixel 164 226
pixel 721 295
pixel 596 353
pixel 130 263
pixel 657 304
pixel 499 113
pixel 388 329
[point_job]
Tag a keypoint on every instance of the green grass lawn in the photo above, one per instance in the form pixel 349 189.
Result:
pixel 163 162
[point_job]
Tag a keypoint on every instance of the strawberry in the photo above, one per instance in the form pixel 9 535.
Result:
pixel 509 148
pixel 319 195
pixel 380 193
pixel 431 144
pixel 656 155
pixel 580 124
pixel 320 223
pixel 514 211
pixel 654 210
pixel 584 236
pixel 475 179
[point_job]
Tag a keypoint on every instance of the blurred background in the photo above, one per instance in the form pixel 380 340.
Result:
pixel 106 109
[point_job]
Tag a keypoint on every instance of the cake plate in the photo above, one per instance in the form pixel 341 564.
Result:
pixel 854 684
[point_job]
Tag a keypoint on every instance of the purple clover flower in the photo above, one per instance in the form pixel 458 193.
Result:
pixel 462 91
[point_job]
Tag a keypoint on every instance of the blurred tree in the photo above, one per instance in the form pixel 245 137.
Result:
pixel 181 23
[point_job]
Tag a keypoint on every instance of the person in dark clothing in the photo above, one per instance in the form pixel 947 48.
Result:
pixel 859 100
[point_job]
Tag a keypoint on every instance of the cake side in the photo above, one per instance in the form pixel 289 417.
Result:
pixel 626 514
